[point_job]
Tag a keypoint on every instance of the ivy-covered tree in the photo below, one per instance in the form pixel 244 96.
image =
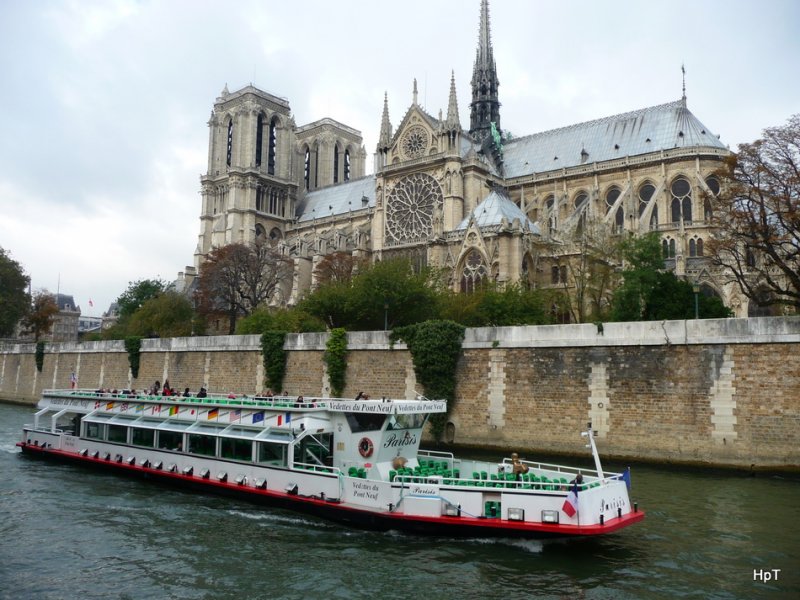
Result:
pixel 14 299
pixel 435 348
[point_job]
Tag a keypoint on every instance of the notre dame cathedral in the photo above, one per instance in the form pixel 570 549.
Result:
pixel 484 206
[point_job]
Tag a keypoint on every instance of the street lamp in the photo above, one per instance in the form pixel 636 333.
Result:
pixel 696 290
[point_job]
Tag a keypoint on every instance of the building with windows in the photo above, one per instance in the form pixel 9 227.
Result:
pixel 473 200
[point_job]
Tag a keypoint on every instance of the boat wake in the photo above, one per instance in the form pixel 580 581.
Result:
pixel 273 518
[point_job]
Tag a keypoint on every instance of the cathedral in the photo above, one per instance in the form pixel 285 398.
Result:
pixel 472 200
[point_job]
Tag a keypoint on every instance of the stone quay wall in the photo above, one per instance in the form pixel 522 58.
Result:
pixel 717 392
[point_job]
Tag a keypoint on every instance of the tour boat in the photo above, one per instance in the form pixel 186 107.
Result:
pixel 357 462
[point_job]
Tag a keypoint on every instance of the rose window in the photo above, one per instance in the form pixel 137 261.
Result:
pixel 410 206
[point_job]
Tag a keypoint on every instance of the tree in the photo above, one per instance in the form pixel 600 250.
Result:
pixel 339 267
pixel 649 293
pixel 167 315
pixel 237 278
pixel 390 294
pixel 643 262
pixel 757 217
pixel 385 294
pixel 592 269
pixel 14 299
pixel 137 294
pixel 39 321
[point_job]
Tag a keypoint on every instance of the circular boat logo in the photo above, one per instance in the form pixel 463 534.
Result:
pixel 365 447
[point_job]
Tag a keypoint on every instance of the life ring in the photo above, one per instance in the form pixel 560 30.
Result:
pixel 365 447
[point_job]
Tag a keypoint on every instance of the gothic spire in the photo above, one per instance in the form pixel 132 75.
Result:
pixel 415 90
pixel 453 121
pixel 385 137
pixel 485 105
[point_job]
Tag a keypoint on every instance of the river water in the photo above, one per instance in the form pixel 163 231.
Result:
pixel 68 532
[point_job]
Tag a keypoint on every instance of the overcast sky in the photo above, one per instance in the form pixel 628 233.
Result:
pixel 106 102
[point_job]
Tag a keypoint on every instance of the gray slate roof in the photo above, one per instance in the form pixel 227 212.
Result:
pixel 337 199
pixel 651 129
pixel 493 209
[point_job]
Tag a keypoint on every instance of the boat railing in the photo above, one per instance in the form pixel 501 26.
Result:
pixel 573 471
pixel 253 401
pixel 436 455
pixel 317 468
pixel 526 482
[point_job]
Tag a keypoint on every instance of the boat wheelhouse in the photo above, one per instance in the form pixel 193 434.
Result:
pixel 354 461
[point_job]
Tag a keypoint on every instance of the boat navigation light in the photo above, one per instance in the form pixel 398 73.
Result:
pixel 549 516
pixel 516 514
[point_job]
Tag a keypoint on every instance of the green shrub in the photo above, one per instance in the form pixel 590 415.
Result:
pixel 133 344
pixel 336 360
pixel 274 357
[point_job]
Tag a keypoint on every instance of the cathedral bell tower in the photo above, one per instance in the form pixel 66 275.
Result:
pixel 485 105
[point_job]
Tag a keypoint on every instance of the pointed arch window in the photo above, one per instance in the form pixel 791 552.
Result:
pixel 347 165
pixel 552 216
pixel 581 205
pixel 336 164
pixel 668 248
pixel 474 272
pixel 229 150
pixel 681 200
pixel 261 233
pixel 646 192
pixel 708 211
pixel 259 139
pixel 272 150
pixel 307 168
pixel 619 217
pixel 696 247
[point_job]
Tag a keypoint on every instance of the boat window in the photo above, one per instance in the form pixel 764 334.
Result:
pixel 143 437
pixel 95 431
pixel 359 422
pixel 273 454
pixel 314 449
pixel 170 440
pixel 241 432
pixel 202 444
pixel 117 433
pixel 406 421
pixel 175 425
pixel 236 449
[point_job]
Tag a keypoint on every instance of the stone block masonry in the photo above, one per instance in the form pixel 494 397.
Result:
pixel 722 392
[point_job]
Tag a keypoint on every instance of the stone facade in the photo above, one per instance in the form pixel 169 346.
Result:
pixel 711 392
pixel 484 206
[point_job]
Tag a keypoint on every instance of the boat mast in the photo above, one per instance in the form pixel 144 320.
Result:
pixel 590 434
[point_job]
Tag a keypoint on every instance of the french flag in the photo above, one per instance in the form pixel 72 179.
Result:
pixel 571 503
